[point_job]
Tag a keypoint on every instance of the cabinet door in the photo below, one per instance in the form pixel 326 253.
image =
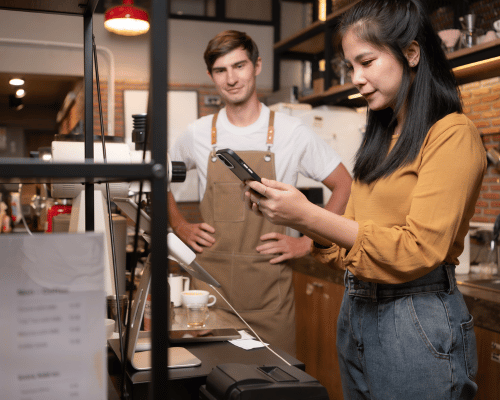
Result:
pixel 488 376
pixel 317 305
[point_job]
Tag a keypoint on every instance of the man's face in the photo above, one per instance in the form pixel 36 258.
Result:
pixel 234 77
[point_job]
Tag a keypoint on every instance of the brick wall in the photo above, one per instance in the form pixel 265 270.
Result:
pixel 482 105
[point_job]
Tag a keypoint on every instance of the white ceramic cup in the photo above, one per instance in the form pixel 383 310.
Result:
pixel 110 327
pixel 197 297
pixel 178 284
pixel 496 25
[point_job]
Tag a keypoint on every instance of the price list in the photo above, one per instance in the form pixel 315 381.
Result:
pixel 54 343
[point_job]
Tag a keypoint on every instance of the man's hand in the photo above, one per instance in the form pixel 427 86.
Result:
pixel 287 247
pixel 197 236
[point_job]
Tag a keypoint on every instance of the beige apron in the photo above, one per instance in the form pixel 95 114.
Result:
pixel 261 292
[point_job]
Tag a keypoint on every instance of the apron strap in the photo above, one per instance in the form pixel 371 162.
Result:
pixel 214 136
pixel 270 129
pixel 270 136
pixel 269 141
pixel 214 128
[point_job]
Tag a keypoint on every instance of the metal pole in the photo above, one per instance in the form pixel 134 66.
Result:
pixel 157 133
pixel 89 114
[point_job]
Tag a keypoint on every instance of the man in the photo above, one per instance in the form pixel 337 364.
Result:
pixel 246 254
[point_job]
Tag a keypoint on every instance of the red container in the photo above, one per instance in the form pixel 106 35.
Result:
pixel 56 210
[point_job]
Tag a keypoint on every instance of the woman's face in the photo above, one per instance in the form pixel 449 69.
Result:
pixel 375 72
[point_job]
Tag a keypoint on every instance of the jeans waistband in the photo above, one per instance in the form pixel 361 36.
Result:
pixel 440 279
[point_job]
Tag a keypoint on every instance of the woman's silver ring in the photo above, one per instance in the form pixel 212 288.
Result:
pixel 258 203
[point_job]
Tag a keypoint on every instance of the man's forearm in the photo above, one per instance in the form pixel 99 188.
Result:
pixel 175 217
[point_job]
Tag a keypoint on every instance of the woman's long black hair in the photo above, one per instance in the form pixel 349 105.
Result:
pixel 393 25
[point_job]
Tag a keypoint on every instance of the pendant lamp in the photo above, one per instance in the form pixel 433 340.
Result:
pixel 126 19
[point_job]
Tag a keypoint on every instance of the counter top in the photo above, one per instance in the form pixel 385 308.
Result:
pixel 481 291
pixel 216 320
pixel 482 296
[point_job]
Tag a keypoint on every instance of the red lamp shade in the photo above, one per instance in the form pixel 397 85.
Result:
pixel 126 19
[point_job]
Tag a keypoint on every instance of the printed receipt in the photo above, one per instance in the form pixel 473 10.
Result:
pixel 52 324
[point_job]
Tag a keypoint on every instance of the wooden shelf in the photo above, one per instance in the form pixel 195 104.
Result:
pixel 310 40
pixel 334 90
pixel 464 73
pixel 476 63
pixel 469 65
pixel 459 55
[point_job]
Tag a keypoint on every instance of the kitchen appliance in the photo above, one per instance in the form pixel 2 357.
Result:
pixel 54 211
pixel 469 33
pixel 242 382
pixel 138 341
pixel 342 128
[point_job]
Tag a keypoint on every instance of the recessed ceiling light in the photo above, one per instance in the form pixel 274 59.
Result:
pixel 20 93
pixel 16 82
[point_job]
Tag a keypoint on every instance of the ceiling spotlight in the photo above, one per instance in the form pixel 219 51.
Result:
pixel 20 93
pixel 15 103
pixel 16 82
pixel 126 19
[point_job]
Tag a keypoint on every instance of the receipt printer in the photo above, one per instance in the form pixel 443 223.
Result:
pixel 248 382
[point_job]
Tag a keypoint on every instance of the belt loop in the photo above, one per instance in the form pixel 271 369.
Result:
pixel 346 278
pixel 450 271
pixel 373 294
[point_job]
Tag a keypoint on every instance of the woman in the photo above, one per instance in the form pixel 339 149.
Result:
pixel 404 331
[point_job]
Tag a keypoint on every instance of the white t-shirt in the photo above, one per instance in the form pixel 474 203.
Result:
pixel 296 147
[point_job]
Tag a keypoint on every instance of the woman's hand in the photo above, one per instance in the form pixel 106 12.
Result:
pixel 278 202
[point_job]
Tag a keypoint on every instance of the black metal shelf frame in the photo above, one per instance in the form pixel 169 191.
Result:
pixel 90 173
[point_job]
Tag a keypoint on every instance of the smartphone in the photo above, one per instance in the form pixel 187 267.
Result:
pixel 237 165
pixel 203 335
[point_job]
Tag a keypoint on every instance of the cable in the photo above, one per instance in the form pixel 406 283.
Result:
pixel 21 210
pixel 249 327
pixel 124 391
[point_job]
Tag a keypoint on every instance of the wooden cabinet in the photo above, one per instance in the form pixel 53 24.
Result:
pixel 488 377
pixel 317 304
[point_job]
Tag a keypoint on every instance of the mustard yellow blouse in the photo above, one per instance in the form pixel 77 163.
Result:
pixel 417 218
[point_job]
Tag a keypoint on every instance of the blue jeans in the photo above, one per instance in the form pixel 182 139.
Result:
pixel 410 341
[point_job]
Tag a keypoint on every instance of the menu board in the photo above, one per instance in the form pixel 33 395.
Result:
pixel 52 310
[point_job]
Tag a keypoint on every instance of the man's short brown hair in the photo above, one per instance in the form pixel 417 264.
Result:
pixel 227 41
